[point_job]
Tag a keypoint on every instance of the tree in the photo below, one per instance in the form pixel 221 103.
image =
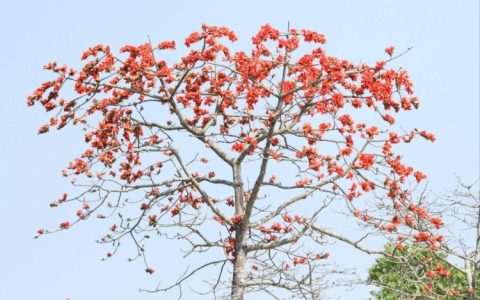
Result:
pixel 268 130
pixel 450 273
pixel 462 208
pixel 410 273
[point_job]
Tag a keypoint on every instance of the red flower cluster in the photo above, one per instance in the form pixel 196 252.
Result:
pixel 65 225
pixel 167 45
pixel 366 160
pixel 270 103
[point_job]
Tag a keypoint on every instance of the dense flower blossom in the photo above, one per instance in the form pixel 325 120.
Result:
pixel 275 102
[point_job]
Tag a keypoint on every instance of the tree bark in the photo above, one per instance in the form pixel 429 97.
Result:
pixel 238 281
pixel 473 267
pixel 470 279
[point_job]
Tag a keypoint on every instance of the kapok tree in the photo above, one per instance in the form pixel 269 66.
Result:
pixel 227 150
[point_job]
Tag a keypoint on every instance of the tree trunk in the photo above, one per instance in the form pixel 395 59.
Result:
pixel 470 280
pixel 475 264
pixel 238 281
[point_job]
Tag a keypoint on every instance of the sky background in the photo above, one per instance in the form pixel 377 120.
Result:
pixel 444 66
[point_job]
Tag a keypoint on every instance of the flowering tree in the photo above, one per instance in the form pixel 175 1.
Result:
pixel 241 152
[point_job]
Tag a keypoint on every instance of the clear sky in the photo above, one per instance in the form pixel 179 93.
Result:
pixel 444 66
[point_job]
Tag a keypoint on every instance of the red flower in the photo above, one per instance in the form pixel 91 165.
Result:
pixel 289 44
pixel 287 87
pixel 419 176
pixel 436 221
pixel 322 256
pixel 65 225
pixel 299 219
pixel 43 129
pixel 454 292
pixel 428 136
pixel 276 227
pixel 229 201
pixel 422 236
pixel 152 220
pixel 346 151
pixel 80 214
pixel 393 137
pixel 346 120
pixel 271 238
pixel 400 246
pixel 390 50
pixel 236 219
pixel 312 36
pixel 372 131
pixel 237 146
pixel 299 260
pixel 175 211
pixel 287 218
pixel 338 100
pixel 366 160
pixel 272 179
pixel 442 271
pixel 303 182
pixel 431 274
pixel 275 155
pixel 389 118
pixel 192 38
pixel 367 186
pixel 167 45
pixel 266 32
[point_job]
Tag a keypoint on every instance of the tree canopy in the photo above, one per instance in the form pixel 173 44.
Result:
pixel 240 154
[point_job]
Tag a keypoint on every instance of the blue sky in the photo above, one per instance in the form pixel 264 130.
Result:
pixel 444 66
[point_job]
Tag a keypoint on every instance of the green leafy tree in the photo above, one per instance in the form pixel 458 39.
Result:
pixel 417 273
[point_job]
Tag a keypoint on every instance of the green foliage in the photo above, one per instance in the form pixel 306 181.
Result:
pixel 403 275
